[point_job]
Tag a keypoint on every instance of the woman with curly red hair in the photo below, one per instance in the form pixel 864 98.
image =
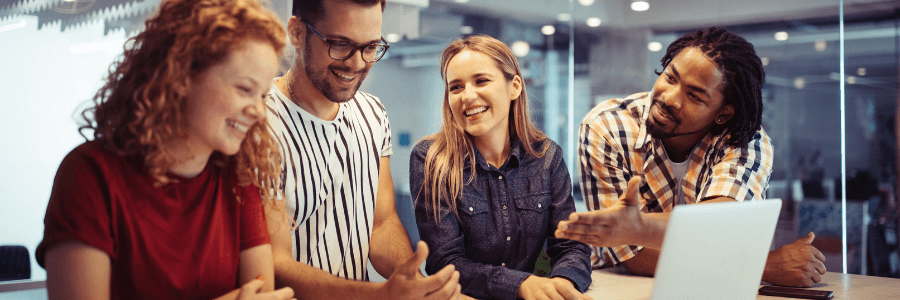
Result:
pixel 166 200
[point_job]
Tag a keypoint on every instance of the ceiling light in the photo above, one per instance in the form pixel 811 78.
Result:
pixel 12 26
pixel 392 37
pixel 781 36
pixel 640 5
pixel 851 79
pixel 765 61
pixel 564 17
pixel 654 46
pixel 462 1
pixel 799 83
pixel 820 45
pixel 520 48
pixel 593 22
pixel 861 71
pixel 585 2
pixel 466 30
pixel 548 30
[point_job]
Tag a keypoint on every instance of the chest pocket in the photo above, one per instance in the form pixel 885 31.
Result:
pixel 474 213
pixel 533 203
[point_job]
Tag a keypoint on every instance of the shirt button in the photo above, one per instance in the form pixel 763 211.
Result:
pixel 500 177
pixel 507 239
pixel 471 209
pixel 504 207
pixel 539 205
pixel 503 264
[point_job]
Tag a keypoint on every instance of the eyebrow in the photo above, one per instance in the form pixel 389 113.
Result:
pixel 252 81
pixel 344 38
pixel 473 76
pixel 690 86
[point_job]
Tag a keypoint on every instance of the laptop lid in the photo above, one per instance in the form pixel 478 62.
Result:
pixel 715 250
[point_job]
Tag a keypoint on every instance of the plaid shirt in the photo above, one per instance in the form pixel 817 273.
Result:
pixel 615 145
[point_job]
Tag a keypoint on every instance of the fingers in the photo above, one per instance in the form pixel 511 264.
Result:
pixel 283 293
pixel 816 277
pixel 819 267
pixel 253 287
pixel 439 280
pixel 450 289
pixel 818 254
pixel 632 194
pixel 575 228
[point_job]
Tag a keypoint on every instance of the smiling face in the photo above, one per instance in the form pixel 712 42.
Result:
pixel 338 80
pixel 226 99
pixel 480 96
pixel 687 101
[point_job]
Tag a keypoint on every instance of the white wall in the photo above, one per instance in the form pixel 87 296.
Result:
pixel 43 83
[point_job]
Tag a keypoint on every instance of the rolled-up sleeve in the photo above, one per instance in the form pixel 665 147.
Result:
pixel 741 173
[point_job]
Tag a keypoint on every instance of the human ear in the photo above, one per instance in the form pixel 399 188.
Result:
pixel 296 29
pixel 725 114
pixel 515 88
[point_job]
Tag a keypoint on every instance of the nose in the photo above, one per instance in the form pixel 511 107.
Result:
pixel 671 99
pixel 468 94
pixel 356 62
pixel 255 110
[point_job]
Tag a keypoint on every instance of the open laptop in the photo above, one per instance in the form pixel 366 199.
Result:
pixel 716 250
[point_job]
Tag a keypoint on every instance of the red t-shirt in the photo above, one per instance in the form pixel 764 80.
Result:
pixel 178 241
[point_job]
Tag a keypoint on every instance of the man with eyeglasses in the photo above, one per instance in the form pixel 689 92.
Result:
pixel 338 211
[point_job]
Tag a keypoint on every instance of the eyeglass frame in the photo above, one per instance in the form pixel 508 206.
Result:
pixel 355 46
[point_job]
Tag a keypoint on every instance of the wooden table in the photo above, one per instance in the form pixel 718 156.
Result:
pixel 616 283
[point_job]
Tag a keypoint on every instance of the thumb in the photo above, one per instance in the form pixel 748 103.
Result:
pixel 808 239
pixel 254 285
pixel 632 194
pixel 411 267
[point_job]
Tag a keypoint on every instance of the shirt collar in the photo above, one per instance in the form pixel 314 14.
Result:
pixel 511 162
pixel 643 137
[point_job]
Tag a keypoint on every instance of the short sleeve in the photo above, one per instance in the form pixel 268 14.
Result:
pixel 387 148
pixel 254 231
pixel 741 173
pixel 80 207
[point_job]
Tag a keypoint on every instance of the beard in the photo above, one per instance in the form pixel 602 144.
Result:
pixel 656 131
pixel 319 78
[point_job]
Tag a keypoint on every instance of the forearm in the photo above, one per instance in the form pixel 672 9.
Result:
pixel 571 260
pixel 311 283
pixel 389 246
pixel 644 263
pixel 486 281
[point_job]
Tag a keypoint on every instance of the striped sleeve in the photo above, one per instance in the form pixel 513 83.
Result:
pixel 741 173
pixel 604 176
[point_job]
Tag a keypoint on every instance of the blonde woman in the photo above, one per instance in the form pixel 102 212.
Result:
pixel 490 188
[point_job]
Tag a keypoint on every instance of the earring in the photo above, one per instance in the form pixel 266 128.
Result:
pixel 719 120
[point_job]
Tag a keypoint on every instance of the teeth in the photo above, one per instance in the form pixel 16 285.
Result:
pixel 342 76
pixel 240 127
pixel 475 111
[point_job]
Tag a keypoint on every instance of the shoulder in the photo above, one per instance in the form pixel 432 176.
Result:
pixel 421 148
pixel 624 109
pixel 366 99
pixel 91 153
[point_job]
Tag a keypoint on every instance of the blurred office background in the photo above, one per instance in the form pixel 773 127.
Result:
pixel 574 54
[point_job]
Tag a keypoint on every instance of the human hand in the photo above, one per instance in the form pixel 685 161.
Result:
pixel 250 291
pixel 408 283
pixel 619 224
pixel 556 288
pixel 797 264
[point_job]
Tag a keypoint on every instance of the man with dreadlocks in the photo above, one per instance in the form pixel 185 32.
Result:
pixel 694 138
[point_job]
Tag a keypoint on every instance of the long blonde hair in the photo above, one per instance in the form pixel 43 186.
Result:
pixel 452 146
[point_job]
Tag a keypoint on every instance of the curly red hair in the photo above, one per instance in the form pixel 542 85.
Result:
pixel 141 107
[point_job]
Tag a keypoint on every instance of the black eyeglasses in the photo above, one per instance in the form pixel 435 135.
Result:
pixel 342 50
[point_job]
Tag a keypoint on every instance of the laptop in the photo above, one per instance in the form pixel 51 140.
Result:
pixel 716 250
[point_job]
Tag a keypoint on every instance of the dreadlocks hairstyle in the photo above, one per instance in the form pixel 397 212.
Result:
pixel 141 106
pixel 743 78
pixel 311 10
pixel 453 147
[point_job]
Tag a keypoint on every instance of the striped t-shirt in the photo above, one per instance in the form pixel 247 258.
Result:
pixel 330 179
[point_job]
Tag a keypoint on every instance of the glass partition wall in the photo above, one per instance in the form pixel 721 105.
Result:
pixel 574 54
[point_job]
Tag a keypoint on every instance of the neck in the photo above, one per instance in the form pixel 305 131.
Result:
pixel 680 147
pixel 494 148
pixel 306 95
pixel 189 161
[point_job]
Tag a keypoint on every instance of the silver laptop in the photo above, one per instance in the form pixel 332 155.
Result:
pixel 716 250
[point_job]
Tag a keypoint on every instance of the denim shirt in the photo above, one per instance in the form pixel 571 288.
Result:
pixel 505 216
